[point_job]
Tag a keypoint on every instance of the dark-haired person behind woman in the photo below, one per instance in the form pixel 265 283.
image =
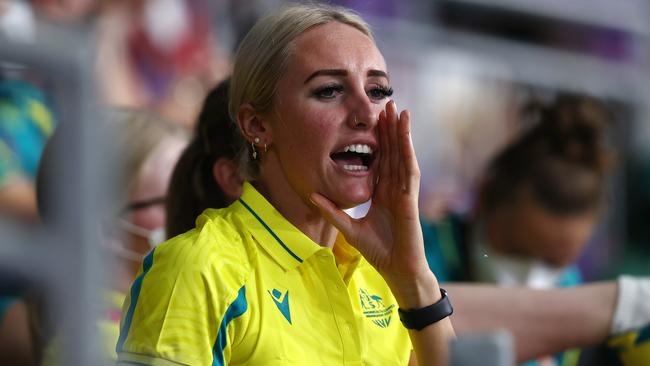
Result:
pixel 206 175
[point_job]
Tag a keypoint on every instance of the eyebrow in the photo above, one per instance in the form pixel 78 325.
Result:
pixel 341 72
pixel 378 73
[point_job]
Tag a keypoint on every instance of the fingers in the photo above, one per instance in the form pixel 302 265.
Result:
pixel 409 166
pixel 398 167
pixel 384 149
pixel 394 158
pixel 403 176
pixel 333 214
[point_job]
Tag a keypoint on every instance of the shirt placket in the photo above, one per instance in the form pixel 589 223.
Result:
pixel 341 306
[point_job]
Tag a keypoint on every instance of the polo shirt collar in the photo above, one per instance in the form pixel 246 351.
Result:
pixel 281 239
pixel 348 258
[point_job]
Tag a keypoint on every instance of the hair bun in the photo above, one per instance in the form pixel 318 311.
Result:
pixel 573 129
pixel 560 154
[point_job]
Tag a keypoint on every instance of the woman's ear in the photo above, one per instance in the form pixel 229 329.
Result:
pixel 254 126
pixel 226 174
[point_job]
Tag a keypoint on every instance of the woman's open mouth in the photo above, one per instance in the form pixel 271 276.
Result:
pixel 354 157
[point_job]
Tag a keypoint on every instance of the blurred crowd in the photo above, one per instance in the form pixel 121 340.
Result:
pixel 523 183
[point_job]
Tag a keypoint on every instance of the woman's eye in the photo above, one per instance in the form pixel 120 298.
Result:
pixel 380 92
pixel 328 92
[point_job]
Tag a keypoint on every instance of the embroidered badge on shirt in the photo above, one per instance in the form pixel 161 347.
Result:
pixel 374 309
pixel 281 300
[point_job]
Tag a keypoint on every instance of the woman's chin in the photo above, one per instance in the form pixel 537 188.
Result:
pixel 352 199
pixel 347 194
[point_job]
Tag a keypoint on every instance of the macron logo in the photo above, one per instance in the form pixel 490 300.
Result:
pixel 281 300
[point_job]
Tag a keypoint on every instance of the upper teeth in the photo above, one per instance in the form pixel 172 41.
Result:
pixel 358 148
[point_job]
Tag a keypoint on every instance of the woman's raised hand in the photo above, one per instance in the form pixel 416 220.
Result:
pixel 390 236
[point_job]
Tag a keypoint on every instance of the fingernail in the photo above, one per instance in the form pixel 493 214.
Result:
pixel 395 104
pixel 312 200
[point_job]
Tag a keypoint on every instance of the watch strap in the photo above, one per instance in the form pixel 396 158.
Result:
pixel 418 319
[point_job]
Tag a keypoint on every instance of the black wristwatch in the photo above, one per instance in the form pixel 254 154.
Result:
pixel 418 319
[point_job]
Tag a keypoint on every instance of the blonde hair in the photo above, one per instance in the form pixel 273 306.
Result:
pixel 133 134
pixel 139 133
pixel 262 58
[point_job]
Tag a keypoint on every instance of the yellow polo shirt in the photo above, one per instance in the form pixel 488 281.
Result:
pixel 246 287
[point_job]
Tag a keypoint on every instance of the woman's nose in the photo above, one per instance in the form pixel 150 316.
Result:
pixel 363 113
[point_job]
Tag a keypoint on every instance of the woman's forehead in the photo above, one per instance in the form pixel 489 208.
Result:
pixel 334 46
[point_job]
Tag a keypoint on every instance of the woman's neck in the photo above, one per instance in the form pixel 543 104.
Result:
pixel 297 210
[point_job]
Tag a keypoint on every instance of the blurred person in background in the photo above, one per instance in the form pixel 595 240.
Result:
pixel 541 197
pixel 161 55
pixel 158 54
pixel 26 122
pixel 539 200
pixel 537 206
pixel 149 146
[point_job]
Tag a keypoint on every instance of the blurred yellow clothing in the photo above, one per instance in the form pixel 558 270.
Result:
pixel 246 287
pixel 109 324
pixel 633 348
pixel 109 330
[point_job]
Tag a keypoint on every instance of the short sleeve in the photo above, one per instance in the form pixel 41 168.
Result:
pixel 183 306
